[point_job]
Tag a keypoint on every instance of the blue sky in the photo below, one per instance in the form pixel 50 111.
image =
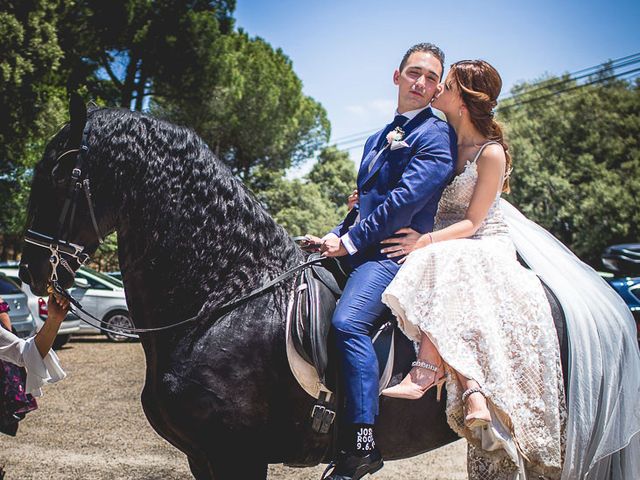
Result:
pixel 345 51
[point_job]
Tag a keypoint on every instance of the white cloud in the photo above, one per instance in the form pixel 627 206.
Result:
pixel 381 106
pixel 358 110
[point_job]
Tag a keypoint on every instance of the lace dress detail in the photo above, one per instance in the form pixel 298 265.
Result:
pixel 491 322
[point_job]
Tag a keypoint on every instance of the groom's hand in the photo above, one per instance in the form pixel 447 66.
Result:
pixel 333 247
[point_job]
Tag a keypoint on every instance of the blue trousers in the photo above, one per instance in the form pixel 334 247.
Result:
pixel 353 320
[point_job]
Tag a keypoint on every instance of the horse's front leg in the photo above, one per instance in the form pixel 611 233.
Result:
pixel 200 469
pixel 237 453
pixel 243 465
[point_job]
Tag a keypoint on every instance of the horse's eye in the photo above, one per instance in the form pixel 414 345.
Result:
pixel 63 165
pixel 57 177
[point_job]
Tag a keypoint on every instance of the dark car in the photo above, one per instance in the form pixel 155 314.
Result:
pixel 629 289
pixel 623 259
pixel 623 262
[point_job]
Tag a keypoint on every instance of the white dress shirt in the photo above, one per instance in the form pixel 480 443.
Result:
pixel 24 353
pixel 345 239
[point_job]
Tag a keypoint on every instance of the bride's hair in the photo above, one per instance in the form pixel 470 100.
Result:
pixel 479 85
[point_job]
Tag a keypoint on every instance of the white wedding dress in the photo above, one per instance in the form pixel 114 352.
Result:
pixel 490 320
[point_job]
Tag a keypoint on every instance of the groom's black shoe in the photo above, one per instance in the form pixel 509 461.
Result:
pixel 352 467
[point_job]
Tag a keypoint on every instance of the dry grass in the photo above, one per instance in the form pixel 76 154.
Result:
pixel 91 426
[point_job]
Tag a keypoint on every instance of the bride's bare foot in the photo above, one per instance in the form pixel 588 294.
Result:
pixel 478 414
pixel 421 378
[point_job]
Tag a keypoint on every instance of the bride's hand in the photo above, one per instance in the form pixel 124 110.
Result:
pixel 402 246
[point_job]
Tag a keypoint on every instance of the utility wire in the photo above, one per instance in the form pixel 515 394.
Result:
pixel 571 78
pixel 345 143
pixel 574 87
pixel 359 134
pixel 357 142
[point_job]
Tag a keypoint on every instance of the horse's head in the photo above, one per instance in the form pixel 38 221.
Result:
pixel 60 227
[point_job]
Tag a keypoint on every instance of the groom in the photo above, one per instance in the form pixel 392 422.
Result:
pixel 404 169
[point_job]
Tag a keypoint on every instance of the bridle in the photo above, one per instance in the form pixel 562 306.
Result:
pixel 58 246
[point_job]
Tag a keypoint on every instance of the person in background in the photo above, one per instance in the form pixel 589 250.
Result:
pixel 35 354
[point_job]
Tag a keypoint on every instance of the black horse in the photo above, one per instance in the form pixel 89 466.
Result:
pixel 191 237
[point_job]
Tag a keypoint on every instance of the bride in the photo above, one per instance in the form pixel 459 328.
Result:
pixel 485 327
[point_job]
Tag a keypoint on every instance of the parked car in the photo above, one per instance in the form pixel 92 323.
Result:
pixel 623 261
pixel 629 289
pixel 103 297
pixel 38 307
pixel 19 314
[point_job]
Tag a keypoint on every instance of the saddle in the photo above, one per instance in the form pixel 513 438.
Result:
pixel 309 343
pixel 316 292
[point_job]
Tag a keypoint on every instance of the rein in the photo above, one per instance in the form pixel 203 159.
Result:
pixel 218 312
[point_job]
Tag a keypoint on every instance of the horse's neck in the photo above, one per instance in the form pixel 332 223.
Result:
pixel 188 232
pixel 170 278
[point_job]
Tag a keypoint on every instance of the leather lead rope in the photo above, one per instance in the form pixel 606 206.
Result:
pixel 218 312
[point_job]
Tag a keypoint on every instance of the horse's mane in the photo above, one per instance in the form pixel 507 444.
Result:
pixel 184 206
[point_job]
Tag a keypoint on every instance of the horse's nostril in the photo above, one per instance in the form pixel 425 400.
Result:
pixel 25 274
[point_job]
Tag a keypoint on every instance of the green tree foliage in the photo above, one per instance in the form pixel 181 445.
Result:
pixel 126 50
pixel 106 257
pixel 251 110
pixel 335 174
pixel 239 93
pixel 316 203
pixel 30 99
pixel 300 207
pixel 577 162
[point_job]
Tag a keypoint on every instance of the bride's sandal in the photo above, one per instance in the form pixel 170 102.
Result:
pixel 482 418
pixel 412 391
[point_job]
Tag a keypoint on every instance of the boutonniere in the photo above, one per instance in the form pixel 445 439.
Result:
pixel 394 139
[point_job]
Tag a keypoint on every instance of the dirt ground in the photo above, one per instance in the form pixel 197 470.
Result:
pixel 91 426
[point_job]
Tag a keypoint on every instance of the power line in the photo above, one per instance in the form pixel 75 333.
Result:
pixel 346 149
pixel 354 140
pixel 357 142
pixel 359 134
pixel 574 87
pixel 600 65
pixel 572 78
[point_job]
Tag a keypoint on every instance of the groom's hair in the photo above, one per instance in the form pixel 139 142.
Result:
pixel 426 48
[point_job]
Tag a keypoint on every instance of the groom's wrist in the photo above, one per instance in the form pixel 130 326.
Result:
pixel 348 244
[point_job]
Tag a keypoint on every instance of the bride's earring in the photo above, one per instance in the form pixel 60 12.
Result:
pixel 460 112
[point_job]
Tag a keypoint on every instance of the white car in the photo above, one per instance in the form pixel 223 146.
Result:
pixel 38 308
pixel 103 297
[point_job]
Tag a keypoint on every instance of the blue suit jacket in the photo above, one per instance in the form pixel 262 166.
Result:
pixel 403 187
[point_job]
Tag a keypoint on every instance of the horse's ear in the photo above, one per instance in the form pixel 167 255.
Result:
pixel 65 162
pixel 78 114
